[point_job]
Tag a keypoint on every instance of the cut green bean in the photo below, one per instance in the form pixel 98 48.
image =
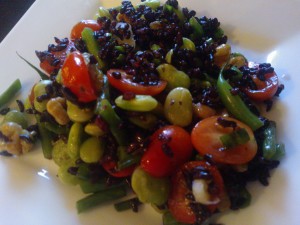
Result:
pixel 46 139
pixel 10 92
pixel 55 128
pixel 105 110
pixel 127 204
pixel 87 187
pixel 92 45
pixel 235 105
pixel 99 198
pixel 235 138
pixel 271 149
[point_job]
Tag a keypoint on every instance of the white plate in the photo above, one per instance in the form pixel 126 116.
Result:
pixel 267 30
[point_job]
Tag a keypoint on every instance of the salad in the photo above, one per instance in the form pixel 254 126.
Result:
pixel 150 98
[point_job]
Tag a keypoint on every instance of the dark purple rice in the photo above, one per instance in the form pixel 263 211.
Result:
pixel 20 105
pixel 4 111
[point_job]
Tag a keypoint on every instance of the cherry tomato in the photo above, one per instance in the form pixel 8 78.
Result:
pixel 111 168
pixel 180 205
pixel 169 147
pixel 75 76
pixel 206 139
pixel 265 89
pixel 78 28
pixel 124 83
pixel 57 59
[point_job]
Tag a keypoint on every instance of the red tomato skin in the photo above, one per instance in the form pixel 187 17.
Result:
pixel 265 89
pixel 75 76
pixel 60 55
pixel 111 166
pixel 78 28
pixel 156 162
pixel 206 140
pixel 178 204
pixel 125 84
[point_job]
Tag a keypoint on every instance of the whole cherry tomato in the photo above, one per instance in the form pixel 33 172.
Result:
pixel 182 202
pixel 78 28
pixel 169 147
pixel 111 168
pixel 122 81
pixel 266 88
pixel 76 77
pixel 206 139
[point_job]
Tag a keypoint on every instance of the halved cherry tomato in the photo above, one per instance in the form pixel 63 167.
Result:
pixel 76 77
pixel 111 168
pixel 58 57
pixel 169 147
pixel 206 139
pixel 265 89
pixel 180 205
pixel 124 83
pixel 78 28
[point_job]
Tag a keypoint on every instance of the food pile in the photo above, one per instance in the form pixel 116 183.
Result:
pixel 150 100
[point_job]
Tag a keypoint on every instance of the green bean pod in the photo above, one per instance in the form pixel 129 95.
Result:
pixel 235 105
pixel 8 94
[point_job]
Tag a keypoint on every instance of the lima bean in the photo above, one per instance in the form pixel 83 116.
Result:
pixel 174 77
pixel 178 107
pixel 39 90
pixel 91 150
pixel 150 189
pixel 141 103
pixel 75 139
pixel 16 117
pixel 77 114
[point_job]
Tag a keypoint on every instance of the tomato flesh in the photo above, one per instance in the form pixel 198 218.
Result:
pixel 59 56
pixel 125 84
pixel 169 147
pixel 75 76
pixel 179 204
pixel 78 28
pixel 265 89
pixel 206 139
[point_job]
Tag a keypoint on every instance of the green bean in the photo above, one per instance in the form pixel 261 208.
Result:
pixel 46 139
pixel 55 128
pixel 99 198
pixel 43 76
pixel 10 92
pixel 271 149
pixel 127 204
pixel 105 110
pixel 103 12
pixel 235 105
pixel 235 138
pixel 92 45
pixel 87 187
pixel 75 139
pixel 197 28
